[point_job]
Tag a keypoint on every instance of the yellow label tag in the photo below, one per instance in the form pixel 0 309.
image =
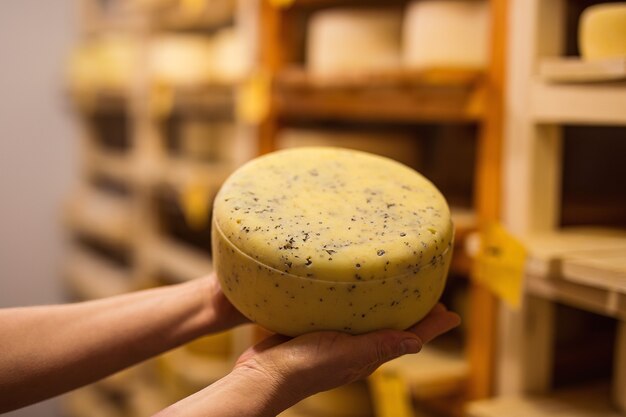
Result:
pixel 253 98
pixel 282 4
pixel 390 395
pixel 500 264
pixel 196 204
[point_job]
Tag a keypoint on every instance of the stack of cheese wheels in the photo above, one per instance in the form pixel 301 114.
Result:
pixel 602 31
pixel 400 147
pixel 446 33
pixel 312 239
pixel 341 41
pixel 181 60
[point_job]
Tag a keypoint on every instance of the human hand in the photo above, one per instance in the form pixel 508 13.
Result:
pixel 320 361
pixel 222 314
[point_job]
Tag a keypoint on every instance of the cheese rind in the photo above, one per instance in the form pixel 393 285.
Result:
pixel 446 33
pixel 330 239
pixel 602 31
pixel 344 41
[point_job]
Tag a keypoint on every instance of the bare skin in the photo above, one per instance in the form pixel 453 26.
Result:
pixel 50 350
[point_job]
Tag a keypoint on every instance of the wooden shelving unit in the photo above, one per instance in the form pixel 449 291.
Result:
pixel 119 240
pixel 580 269
pixel 436 95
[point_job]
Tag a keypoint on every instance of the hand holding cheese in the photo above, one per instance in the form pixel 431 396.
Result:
pixel 279 372
pixel 315 239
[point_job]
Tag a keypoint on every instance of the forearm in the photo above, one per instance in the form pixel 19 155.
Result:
pixel 243 392
pixel 49 350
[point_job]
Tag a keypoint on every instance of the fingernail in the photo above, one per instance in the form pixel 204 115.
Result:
pixel 410 345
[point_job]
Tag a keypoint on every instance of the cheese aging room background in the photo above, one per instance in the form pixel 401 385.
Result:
pixel 120 120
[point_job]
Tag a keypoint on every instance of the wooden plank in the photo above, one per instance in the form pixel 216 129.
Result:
pixel 576 70
pixel 603 104
pixel 297 78
pixel 421 103
pixel 179 260
pixel 580 402
pixel 548 250
pixel 90 276
pixel 588 298
pixel 619 368
pixel 598 268
pixel 538 345
pixel 488 184
pixel 101 215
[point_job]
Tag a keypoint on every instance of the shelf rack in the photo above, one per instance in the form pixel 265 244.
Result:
pixel 401 96
pixel 114 205
pixel 578 268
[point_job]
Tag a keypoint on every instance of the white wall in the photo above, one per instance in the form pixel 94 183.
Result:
pixel 37 152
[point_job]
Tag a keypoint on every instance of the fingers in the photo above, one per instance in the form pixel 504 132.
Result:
pixel 436 323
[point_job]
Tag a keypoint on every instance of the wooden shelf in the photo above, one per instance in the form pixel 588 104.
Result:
pixel 180 261
pixel 547 251
pixel 401 96
pixel 601 269
pixel 90 276
pixel 112 165
pixel 576 70
pixel 600 104
pixel 592 298
pixel 319 4
pixel 101 215
pixel 582 402
pixel 207 101
pixel 434 372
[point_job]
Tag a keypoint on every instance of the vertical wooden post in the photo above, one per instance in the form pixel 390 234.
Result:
pixel 483 308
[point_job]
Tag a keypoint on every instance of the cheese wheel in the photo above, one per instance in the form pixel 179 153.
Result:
pixel 312 239
pixel 446 33
pixel 602 31
pixel 181 60
pixel 341 41
pixel 231 56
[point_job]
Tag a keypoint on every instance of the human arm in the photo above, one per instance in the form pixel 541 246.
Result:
pixel 278 372
pixel 48 350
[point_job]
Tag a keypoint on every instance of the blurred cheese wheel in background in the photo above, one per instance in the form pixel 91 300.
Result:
pixel 208 140
pixel 446 33
pixel 602 31
pixel 352 400
pixel 341 41
pixel 105 62
pixel 181 60
pixel 231 59
pixel 403 148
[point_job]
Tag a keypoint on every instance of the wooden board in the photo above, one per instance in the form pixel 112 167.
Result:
pixel 90 276
pixel 548 250
pixel 180 261
pixel 596 300
pixel 389 97
pixel 598 268
pixel 576 70
pixel 100 215
pixel 603 104
pixel 582 402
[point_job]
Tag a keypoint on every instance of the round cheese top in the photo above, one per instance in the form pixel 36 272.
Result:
pixel 334 214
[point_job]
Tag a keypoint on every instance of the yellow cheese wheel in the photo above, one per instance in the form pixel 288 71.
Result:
pixel 314 239
pixel 602 31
